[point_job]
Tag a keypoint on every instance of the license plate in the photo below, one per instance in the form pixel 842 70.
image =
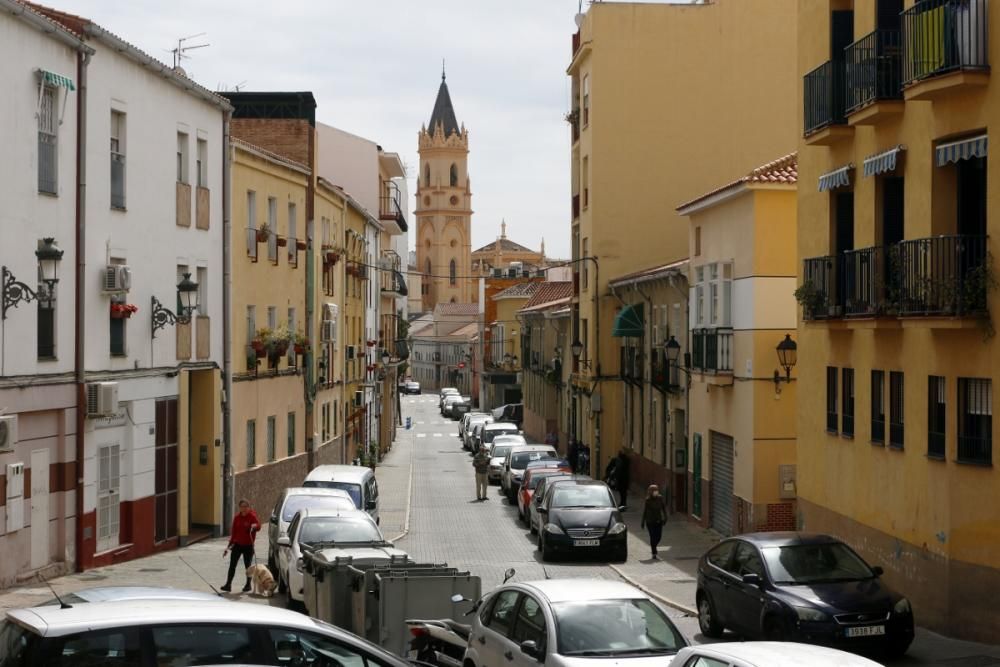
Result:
pixel 865 631
pixel 586 543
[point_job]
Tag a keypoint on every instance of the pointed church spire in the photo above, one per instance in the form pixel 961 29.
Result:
pixel 444 112
pixel 503 228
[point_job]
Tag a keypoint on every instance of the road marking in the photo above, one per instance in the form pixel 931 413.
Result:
pixel 421 423
pixel 421 435
pixel 437 435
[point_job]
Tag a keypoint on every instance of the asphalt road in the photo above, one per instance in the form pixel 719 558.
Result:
pixel 448 524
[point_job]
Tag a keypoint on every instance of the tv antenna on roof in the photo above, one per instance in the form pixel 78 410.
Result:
pixel 182 49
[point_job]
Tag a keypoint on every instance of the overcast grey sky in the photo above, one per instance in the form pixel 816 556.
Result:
pixel 375 66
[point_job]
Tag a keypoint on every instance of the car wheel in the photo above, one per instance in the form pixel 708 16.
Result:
pixel 776 630
pixel 708 623
pixel 894 650
pixel 621 555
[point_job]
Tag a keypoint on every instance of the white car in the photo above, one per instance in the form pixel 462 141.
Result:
pixel 178 632
pixel 767 654
pixel 470 426
pixel 412 387
pixel 449 401
pixel 347 532
pixel 518 458
pixel 120 593
pixel 571 623
pixel 290 501
pixel 447 391
pixel 498 454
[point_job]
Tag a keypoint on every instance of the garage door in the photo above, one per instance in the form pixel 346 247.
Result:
pixel 721 510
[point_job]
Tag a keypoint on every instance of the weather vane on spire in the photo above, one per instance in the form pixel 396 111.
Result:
pixel 442 69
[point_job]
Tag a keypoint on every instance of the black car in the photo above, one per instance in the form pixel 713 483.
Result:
pixel 800 587
pixel 581 516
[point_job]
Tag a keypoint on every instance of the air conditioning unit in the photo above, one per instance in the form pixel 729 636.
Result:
pixel 102 399
pixel 359 399
pixel 117 278
pixel 8 432
pixel 330 311
pixel 385 263
pixel 328 331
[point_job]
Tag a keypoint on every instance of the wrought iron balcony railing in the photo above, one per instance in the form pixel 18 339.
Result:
pixel 712 350
pixel 824 94
pixel 874 69
pixel 942 36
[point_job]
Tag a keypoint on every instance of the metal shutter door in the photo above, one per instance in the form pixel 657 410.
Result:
pixel 721 510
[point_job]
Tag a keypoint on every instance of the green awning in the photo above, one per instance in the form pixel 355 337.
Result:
pixel 628 322
pixel 54 79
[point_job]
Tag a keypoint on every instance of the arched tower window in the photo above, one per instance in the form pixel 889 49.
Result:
pixel 427 268
pixel 451 273
pixel 427 175
pixel 454 175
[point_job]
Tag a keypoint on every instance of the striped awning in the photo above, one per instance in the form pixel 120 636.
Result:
pixel 628 322
pixel 838 178
pixel 953 151
pixel 53 79
pixel 883 162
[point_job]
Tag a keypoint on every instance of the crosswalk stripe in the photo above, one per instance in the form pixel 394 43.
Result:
pixel 421 435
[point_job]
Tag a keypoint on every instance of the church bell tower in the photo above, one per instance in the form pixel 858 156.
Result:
pixel 444 207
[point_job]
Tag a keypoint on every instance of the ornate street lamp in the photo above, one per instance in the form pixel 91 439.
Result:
pixel 672 349
pixel 577 349
pixel 787 357
pixel 15 292
pixel 187 296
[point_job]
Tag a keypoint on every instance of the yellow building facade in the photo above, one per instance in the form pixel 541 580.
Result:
pixel 742 277
pixel 898 209
pixel 269 328
pixel 649 131
pixel 545 320
pixel 352 324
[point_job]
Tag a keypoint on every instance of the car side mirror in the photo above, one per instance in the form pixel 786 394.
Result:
pixel 283 541
pixel 622 508
pixel 370 505
pixel 530 648
pixel 878 571
pixel 751 579
pixel 274 519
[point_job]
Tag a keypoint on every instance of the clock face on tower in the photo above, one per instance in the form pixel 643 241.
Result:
pixel 454 200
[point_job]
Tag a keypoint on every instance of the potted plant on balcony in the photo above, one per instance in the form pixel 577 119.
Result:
pixel 812 300
pixel 280 340
pixel 282 241
pixel 122 311
pixel 572 117
pixel 300 244
pixel 261 342
pixel 300 342
pixel 263 232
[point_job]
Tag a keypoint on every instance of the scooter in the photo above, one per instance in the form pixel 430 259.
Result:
pixel 443 641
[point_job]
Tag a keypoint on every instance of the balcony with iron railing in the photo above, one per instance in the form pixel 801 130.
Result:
pixel 941 276
pixel 630 365
pixel 945 44
pixel 390 210
pixel 712 350
pixel 873 74
pixel 824 96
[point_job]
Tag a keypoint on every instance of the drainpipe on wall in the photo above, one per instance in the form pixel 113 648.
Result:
pixel 83 60
pixel 686 299
pixel 227 347
pixel 649 357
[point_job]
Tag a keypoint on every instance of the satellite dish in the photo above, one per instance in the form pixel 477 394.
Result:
pixel 578 19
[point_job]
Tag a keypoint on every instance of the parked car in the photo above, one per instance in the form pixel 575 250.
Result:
pixel 345 532
pixel 517 460
pixel 461 408
pixel 474 419
pixel 512 412
pixel 581 515
pixel 532 476
pixel 178 632
pixel 494 429
pixel 290 501
pixel 412 387
pixel 534 519
pixel 465 423
pixel 571 623
pixel 498 454
pixel 509 439
pixel 447 391
pixel 448 402
pixel 800 586
pixel 766 654
pixel 358 481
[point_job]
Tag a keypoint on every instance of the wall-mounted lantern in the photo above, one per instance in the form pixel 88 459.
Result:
pixel 187 297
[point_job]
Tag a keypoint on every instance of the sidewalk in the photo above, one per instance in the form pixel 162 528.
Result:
pixel 673 578
pixel 185 568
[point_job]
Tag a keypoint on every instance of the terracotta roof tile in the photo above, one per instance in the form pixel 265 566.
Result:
pixel 783 171
pixel 520 289
pixel 457 309
pixel 506 245
pixel 549 292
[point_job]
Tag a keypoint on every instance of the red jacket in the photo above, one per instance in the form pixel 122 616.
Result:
pixel 244 529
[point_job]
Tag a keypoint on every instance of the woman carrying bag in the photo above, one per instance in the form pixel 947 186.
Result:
pixel 654 515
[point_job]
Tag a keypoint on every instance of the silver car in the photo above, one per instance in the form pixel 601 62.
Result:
pixel 292 500
pixel 570 623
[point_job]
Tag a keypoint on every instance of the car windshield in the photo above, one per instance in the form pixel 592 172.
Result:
pixel 521 459
pixel 500 451
pixel 537 476
pixel 353 490
pixel 614 628
pixel 295 503
pixel 488 435
pixel 814 564
pixel 582 495
pixel 337 529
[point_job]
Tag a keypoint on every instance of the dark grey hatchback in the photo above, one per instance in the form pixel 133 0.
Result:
pixel 800 587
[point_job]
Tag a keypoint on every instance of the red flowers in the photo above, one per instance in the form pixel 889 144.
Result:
pixel 123 310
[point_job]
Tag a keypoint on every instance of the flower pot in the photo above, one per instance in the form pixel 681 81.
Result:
pixel 282 242
pixel 280 348
pixel 262 236
pixel 300 349
pixel 300 245
pixel 332 257
pixel 120 314
pixel 259 348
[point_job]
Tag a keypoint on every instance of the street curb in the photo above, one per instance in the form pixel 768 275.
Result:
pixel 690 611
pixel 409 497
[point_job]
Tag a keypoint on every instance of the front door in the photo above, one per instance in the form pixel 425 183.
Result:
pixel 39 508
pixel 721 505
pixel 108 496
pixel 696 477
pixel 493 643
